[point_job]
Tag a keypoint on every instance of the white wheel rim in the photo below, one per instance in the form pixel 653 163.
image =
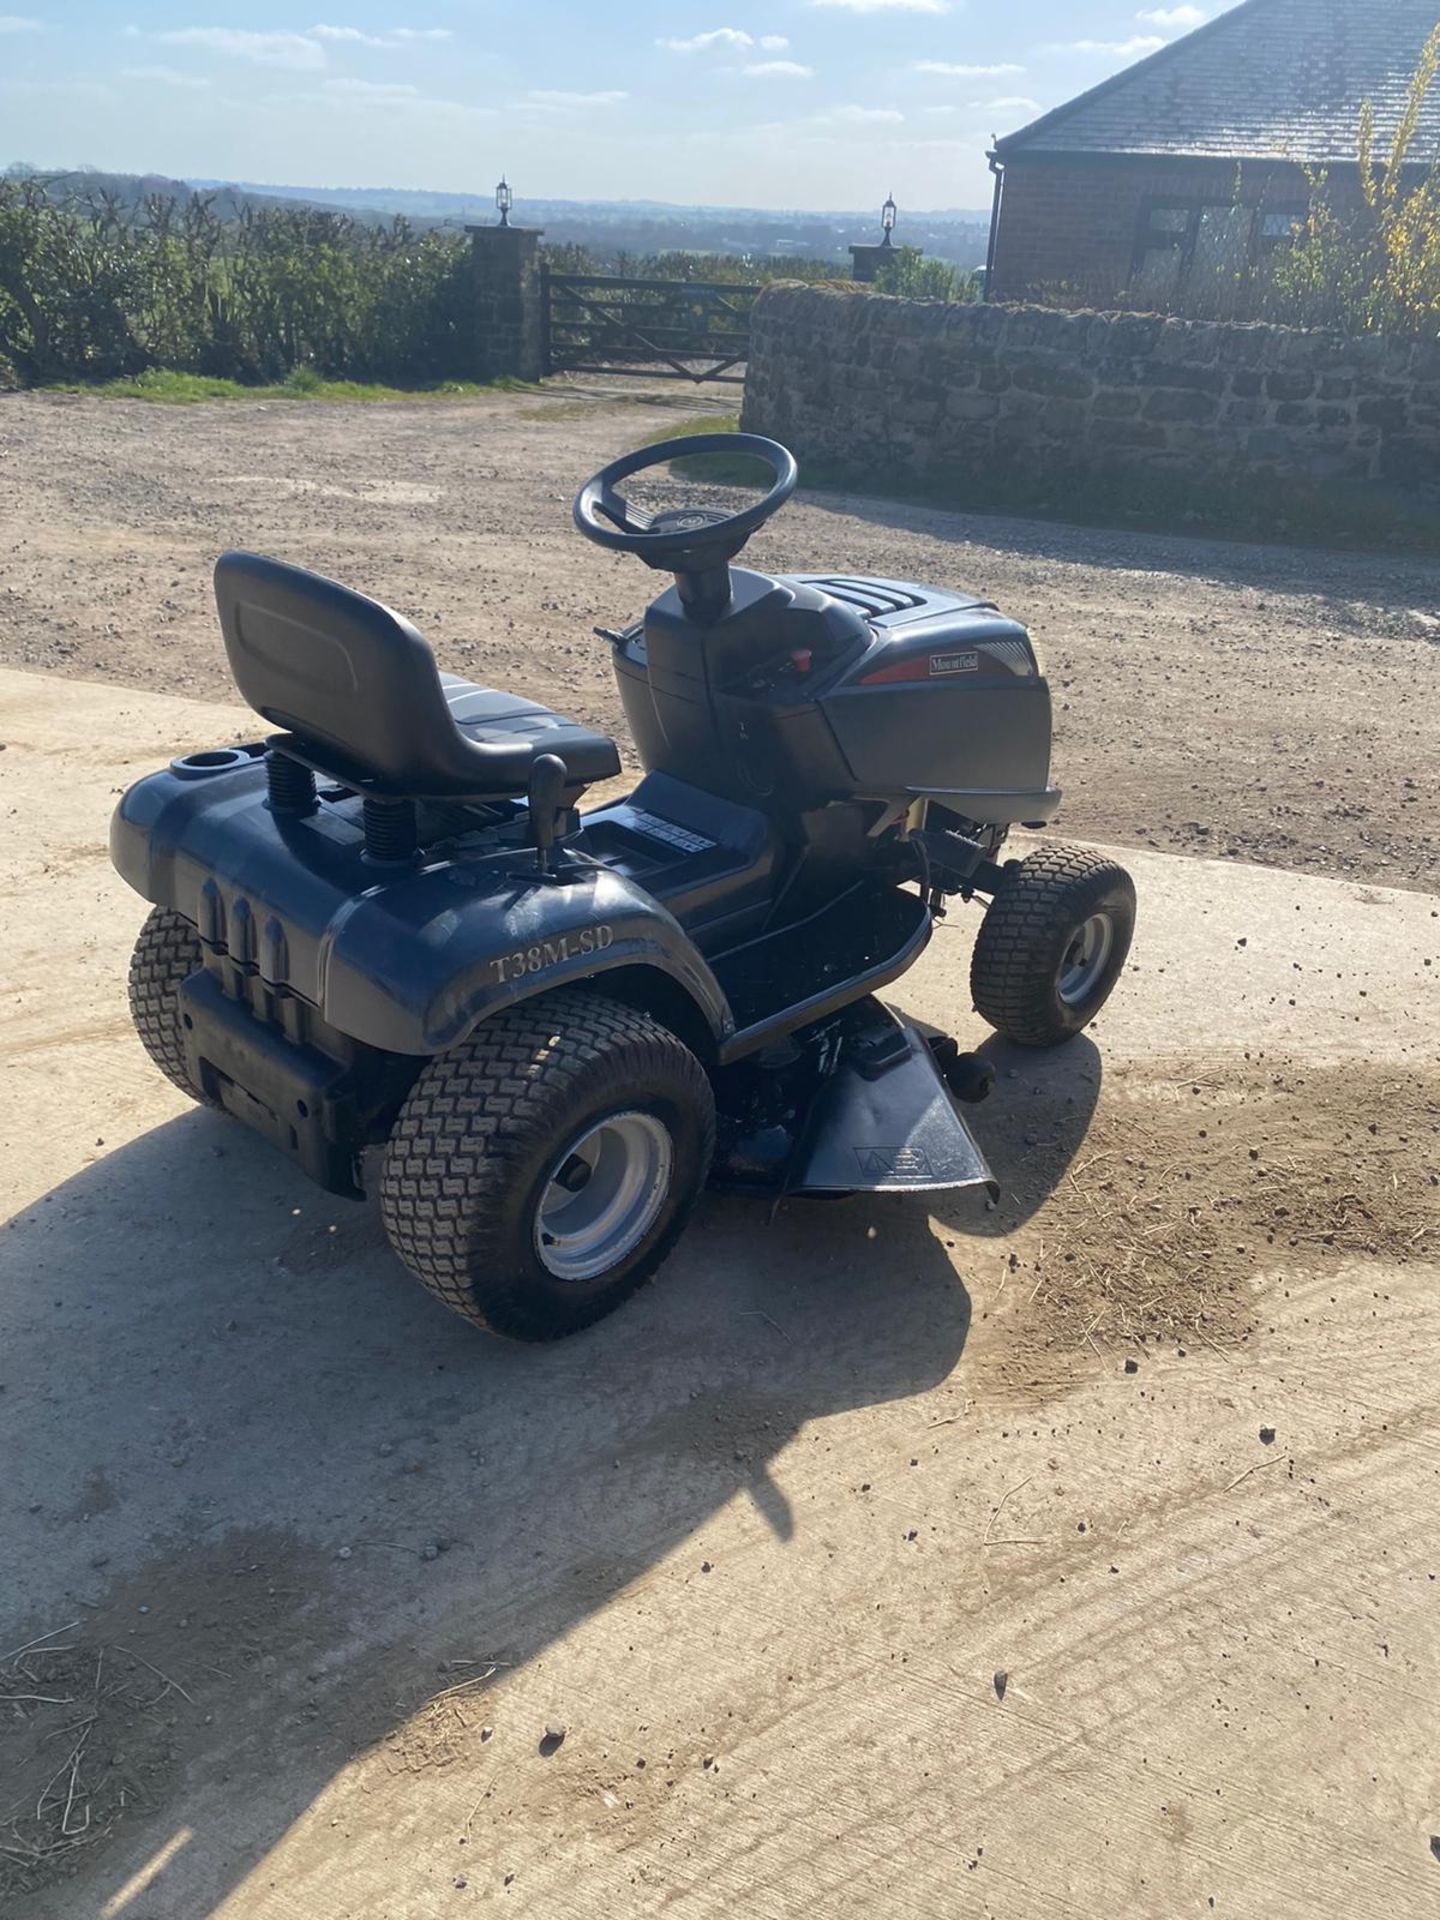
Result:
pixel 603 1194
pixel 1086 957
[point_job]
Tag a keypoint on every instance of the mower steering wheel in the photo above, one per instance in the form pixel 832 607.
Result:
pixel 681 539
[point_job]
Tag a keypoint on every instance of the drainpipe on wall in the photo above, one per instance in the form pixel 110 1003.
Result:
pixel 997 167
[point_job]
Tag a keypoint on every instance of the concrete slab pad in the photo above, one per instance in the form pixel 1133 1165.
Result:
pixel 862 1572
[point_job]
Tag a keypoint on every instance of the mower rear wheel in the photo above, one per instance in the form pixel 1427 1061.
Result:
pixel 166 954
pixel 1052 945
pixel 540 1173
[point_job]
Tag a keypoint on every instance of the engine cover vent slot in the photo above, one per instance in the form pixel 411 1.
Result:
pixel 874 601
pixel 1014 654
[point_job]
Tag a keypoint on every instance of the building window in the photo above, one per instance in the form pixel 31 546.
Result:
pixel 1169 226
pixel 1279 229
pixel 1188 245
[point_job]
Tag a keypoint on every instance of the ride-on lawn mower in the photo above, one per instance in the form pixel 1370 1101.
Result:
pixel 389 924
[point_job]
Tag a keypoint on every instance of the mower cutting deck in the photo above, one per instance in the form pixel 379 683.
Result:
pixel 390 925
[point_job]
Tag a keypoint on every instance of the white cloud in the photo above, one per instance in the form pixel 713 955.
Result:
pixel 20 23
pixel 732 39
pixel 857 117
pixel 1130 49
pixel 773 42
pixel 363 96
pixel 1009 103
pixel 558 99
pixel 57 89
pixel 379 91
pixel 391 37
pixel 960 72
pixel 776 70
pixel 886 6
pixel 300 52
pixel 164 77
pixel 1173 19
pixel 292 50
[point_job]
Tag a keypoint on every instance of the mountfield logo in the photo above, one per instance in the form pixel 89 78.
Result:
pixel 954 663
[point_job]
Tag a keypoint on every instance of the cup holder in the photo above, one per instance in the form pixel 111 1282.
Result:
pixel 195 766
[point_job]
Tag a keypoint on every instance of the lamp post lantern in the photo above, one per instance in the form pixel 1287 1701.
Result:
pixel 504 200
pixel 887 219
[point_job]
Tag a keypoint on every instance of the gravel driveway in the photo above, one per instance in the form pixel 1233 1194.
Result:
pixel 1275 704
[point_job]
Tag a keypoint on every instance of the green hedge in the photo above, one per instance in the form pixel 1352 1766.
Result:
pixel 93 290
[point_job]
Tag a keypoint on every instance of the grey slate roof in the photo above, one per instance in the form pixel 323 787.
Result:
pixel 1269 79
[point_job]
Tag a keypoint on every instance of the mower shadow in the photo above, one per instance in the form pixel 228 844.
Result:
pixel 1032 1125
pixel 212 1370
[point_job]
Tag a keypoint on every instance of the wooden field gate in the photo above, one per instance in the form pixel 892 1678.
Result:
pixel 660 329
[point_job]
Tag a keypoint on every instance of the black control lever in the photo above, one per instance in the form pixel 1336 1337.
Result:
pixel 549 777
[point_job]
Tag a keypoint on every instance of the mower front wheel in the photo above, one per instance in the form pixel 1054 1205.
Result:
pixel 540 1173
pixel 1052 945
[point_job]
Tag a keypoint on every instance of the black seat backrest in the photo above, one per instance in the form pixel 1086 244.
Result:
pixel 344 674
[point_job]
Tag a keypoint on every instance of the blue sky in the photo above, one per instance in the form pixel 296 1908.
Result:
pixel 772 103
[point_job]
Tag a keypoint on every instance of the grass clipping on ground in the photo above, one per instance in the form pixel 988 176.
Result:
pixel 1185 1197
pixel 75 1707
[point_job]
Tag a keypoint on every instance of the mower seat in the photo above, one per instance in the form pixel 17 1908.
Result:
pixel 508 720
pixel 357 687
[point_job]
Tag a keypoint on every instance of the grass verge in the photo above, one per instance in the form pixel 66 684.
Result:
pixel 714 469
pixel 171 389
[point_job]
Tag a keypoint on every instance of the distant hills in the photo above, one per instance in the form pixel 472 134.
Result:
pixel 132 190
pixel 605 227
pixel 656 226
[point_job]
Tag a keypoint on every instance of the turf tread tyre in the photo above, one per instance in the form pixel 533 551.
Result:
pixel 1023 937
pixel 167 952
pixel 478 1130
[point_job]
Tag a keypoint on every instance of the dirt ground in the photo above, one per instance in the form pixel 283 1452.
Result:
pixel 1268 704
pixel 1074 1557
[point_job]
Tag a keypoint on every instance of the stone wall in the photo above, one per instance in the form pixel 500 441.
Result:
pixel 920 388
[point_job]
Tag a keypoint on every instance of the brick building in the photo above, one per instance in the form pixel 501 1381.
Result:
pixel 1179 171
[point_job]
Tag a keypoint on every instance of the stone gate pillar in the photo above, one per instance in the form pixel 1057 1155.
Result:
pixel 509 306
pixel 866 261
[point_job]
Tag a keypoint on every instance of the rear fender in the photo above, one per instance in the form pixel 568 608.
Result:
pixel 416 972
pixel 405 959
